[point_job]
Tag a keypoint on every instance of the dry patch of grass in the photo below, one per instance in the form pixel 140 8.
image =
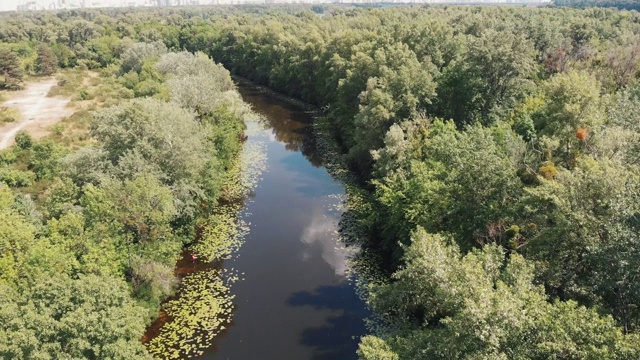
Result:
pixel 69 82
pixel 73 131
pixel 8 115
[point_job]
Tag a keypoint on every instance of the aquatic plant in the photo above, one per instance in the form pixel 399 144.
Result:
pixel 202 309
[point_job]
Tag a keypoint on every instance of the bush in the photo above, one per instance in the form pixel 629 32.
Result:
pixel 45 159
pixel 147 88
pixel 23 140
pixel 84 94
pixel 548 170
pixel 8 156
pixel 58 129
pixel 16 178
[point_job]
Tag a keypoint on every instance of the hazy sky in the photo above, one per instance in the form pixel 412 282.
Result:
pixel 6 5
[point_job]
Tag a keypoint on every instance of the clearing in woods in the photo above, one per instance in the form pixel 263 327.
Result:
pixel 37 111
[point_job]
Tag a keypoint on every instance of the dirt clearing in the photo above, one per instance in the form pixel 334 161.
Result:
pixel 37 111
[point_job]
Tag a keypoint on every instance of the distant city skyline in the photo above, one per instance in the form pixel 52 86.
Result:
pixel 13 5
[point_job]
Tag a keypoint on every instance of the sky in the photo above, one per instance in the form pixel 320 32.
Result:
pixel 6 5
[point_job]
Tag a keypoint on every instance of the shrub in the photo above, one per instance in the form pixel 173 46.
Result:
pixel 84 94
pixel 548 170
pixel 23 140
pixel 16 178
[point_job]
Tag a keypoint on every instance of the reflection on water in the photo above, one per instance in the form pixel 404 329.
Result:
pixel 289 125
pixel 321 233
pixel 296 301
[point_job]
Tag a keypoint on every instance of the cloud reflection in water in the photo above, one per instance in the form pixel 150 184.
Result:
pixel 322 231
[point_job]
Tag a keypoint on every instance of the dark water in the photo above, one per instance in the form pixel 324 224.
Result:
pixel 296 301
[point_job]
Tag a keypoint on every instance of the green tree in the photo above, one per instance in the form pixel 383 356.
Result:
pixel 10 70
pixel 57 318
pixel 580 219
pixel 45 158
pixel 140 207
pixel 481 306
pixel 17 235
pixel 46 63
pixel 573 103
pixel 134 57
pixel 460 182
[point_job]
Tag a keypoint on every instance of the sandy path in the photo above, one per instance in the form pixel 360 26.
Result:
pixel 37 111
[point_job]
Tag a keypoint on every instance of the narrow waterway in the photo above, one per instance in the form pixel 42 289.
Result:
pixel 296 300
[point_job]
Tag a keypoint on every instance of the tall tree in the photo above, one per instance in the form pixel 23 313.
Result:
pixel 46 63
pixel 10 70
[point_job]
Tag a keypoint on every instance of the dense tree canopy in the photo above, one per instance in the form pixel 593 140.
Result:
pixel 84 268
pixel 497 148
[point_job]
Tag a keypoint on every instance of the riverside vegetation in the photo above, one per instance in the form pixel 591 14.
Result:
pixel 96 223
pixel 496 147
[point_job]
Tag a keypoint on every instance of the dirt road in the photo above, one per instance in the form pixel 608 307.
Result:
pixel 37 111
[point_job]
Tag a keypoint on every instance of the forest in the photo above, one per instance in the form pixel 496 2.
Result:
pixel 496 152
pixel 623 5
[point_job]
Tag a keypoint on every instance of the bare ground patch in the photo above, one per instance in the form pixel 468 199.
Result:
pixel 38 111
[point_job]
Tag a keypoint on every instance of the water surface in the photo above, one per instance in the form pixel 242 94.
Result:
pixel 296 301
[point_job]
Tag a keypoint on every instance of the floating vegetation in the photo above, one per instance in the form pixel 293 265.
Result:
pixel 222 236
pixel 204 305
pixel 224 232
pixel 254 163
pixel 197 315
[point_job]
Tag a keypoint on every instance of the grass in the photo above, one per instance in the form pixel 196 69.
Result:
pixel 73 131
pixel 69 81
pixel 8 115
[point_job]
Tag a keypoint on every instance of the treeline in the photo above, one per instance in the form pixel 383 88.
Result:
pixel 498 147
pixel 90 238
pixel 619 4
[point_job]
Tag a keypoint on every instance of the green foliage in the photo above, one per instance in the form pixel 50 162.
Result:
pixel 119 210
pixel 10 70
pixel 540 158
pixel 129 80
pixel 64 55
pixel 147 88
pixel 152 281
pixel 134 57
pixel 574 102
pixel 46 62
pixel 578 215
pixel 62 197
pixel 374 348
pixel 480 305
pixel 16 236
pixel 147 128
pixel 45 159
pixel 24 140
pixel 83 95
pixel 465 183
pixel 16 178
pixel 56 318
pixel 142 208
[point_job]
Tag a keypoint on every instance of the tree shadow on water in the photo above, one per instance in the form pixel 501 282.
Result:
pixel 337 338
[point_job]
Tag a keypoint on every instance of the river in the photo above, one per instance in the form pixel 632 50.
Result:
pixel 296 300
